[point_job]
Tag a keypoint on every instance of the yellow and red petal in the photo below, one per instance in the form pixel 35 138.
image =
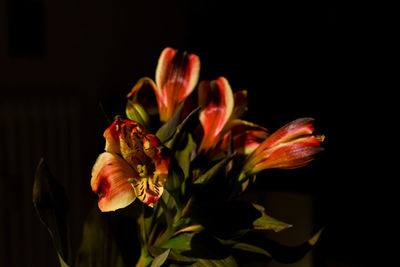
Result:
pixel 119 130
pixel 290 155
pixel 109 180
pixel 176 77
pixel 147 191
pixel 153 148
pixel 216 98
pixel 246 136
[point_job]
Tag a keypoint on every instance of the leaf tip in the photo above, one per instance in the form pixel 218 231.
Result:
pixel 313 240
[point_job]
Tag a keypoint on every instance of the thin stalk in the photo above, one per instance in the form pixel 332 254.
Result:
pixel 170 224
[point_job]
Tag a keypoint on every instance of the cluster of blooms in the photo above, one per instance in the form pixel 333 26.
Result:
pixel 184 151
pixel 135 163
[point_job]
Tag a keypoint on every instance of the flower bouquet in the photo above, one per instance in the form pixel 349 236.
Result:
pixel 183 158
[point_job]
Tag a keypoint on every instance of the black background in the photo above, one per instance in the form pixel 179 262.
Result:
pixel 295 60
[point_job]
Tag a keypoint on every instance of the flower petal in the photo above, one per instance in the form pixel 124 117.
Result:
pixel 147 191
pixel 154 149
pixel 112 138
pixel 292 130
pixel 290 155
pixel 125 137
pixel 246 136
pixel 110 176
pixel 217 99
pixel 120 128
pixel 176 76
pixel 240 104
pixel 144 92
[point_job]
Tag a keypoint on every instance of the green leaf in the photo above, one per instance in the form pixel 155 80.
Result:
pixel 160 259
pixel 50 202
pixel 62 262
pixel 183 155
pixel 181 129
pixel 181 260
pixel 167 129
pixel 266 222
pixel 179 242
pixel 279 252
pixel 196 228
pixel 98 247
pixel 227 262
pixel 174 181
pixel 214 171
pixel 134 111
pixel 251 248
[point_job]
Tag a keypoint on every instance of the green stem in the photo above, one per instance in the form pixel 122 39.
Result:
pixel 170 224
pixel 141 228
pixel 145 259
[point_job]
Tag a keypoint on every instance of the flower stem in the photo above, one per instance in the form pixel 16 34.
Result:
pixel 145 259
pixel 170 224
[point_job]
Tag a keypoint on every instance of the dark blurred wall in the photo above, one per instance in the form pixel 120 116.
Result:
pixel 60 59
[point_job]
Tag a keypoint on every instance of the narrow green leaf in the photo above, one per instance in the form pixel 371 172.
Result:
pixel 314 239
pixel 167 129
pixel 266 222
pixel 251 248
pixel 180 130
pixel 179 242
pixel 174 181
pixel 279 252
pixel 51 205
pixel 98 247
pixel 227 262
pixel 62 262
pixel 192 228
pixel 183 155
pixel 160 259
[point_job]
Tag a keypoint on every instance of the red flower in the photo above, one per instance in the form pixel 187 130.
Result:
pixel 132 166
pixel 221 108
pixel 292 146
pixel 176 77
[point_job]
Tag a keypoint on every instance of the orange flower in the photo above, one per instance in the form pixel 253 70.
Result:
pixel 132 166
pixel 176 77
pixel 292 146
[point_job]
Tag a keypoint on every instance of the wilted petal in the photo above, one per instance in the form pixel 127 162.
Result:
pixel 147 191
pixel 176 76
pixel 217 99
pixel 110 176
